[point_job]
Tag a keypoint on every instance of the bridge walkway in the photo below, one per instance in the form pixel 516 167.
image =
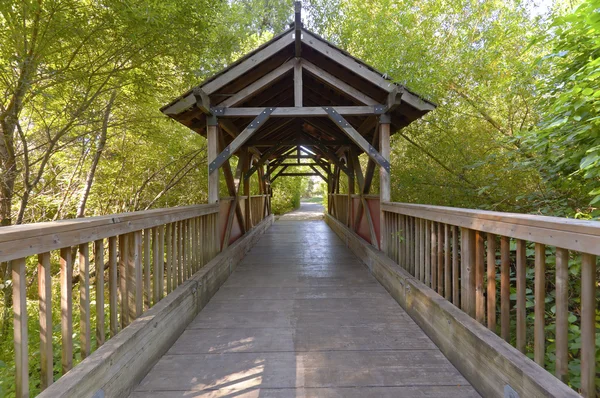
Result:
pixel 302 316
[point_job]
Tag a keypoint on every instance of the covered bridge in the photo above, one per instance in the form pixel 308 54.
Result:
pixel 380 299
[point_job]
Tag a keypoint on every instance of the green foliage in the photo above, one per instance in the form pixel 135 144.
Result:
pixel 287 192
pixel 568 138
pixel 476 61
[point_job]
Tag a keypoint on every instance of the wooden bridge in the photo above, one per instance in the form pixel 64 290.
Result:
pixel 378 299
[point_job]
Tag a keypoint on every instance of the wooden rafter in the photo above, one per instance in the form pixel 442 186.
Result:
pixel 259 85
pixel 357 138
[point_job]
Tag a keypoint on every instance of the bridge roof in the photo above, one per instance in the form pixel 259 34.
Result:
pixel 329 77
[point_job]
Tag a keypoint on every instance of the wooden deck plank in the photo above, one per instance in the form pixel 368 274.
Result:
pixel 301 316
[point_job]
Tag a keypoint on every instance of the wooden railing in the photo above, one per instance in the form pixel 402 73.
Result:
pixel 258 208
pixel 339 209
pixel 136 258
pixel 478 259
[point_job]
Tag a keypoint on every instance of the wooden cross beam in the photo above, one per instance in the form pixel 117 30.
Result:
pixel 357 138
pixel 300 111
pixel 240 140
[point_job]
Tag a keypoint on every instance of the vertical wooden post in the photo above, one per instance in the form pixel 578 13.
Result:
pixel 84 299
pixel 123 260
pixel 521 296
pixel 447 272
pixel 247 159
pixel 384 175
pixel 539 339
pixel 19 281
pixel 99 265
pixel 298 83
pixel 562 314
pixel 467 271
pixel 440 259
pixel 161 262
pixel 491 282
pixel 455 268
pixel 113 285
pixel 156 263
pixel 588 325
pixel 351 185
pixel 134 275
pixel 479 271
pixel 66 308
pixel 45 301
pixel 147 261
pixel 169 239
pixel 213 147
pixel 505 288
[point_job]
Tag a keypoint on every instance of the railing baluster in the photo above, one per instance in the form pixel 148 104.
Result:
pixel 434 258
pixel 422 233
pixel 45 303
pixel 160 269
pixel 505 288
pixel 455 268
pixel 539 340
pixel 147 256
pixel 99 265
pixel 194 235
pixel 440 259
pixel 588 325
pixel 135 276
pixel 521 298
pixel 175 255
pixel 479 272
pixel 113 285
pixel 201 240
pixel 491 282
pixel 430 254
pixel 180 254
pixel 155 266
pixel 19 281
pixel 85 331
pixel 467 271
pixel 123 261
pixel 447 272
pixel 169 241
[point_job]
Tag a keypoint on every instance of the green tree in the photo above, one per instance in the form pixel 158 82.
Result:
pixel 568 138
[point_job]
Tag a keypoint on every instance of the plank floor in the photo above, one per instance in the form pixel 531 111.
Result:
pixel 302 317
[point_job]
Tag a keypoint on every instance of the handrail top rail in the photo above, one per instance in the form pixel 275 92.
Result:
pixel 18 241
pixel 578 235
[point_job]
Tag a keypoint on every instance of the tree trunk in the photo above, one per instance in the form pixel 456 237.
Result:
pixel 99 149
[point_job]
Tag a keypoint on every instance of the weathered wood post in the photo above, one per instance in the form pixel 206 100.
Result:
pixel 213 151
pixel 350 192
pixel 247 159
pixel 384 176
